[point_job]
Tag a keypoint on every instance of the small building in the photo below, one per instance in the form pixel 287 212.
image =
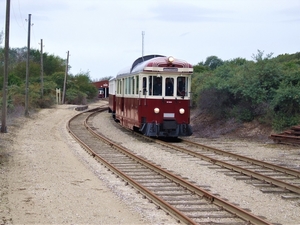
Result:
pixel 102 88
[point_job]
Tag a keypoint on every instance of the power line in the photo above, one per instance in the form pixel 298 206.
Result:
pixel 22 25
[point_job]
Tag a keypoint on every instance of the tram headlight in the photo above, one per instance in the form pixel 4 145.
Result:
pixel 156 110
pixel 181 111
pixel 170 59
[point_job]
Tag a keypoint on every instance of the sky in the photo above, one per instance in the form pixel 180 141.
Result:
pixel 105 36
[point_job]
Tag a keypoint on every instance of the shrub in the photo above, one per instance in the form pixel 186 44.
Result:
pixel 281 121
pixel 74 96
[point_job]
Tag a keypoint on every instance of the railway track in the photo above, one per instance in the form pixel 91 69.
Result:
pixel 182 199
pixel 272 178
pixel 291 136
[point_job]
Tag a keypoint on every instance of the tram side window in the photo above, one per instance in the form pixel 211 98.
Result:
pixel 132 85
pixel 129 85
pixel 169 86
pixel 182 86
pixel 150 85
pixel 119 87
pixel 144 85
pixel 125 86
pixel 137 85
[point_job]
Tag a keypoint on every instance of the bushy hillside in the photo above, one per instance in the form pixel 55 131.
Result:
pixel 238 91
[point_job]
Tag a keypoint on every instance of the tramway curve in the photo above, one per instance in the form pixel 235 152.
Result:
pixel 182 199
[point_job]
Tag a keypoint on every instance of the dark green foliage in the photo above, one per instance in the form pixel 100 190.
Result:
pixel 14 80
pixel 200 68
pixel 73 96
pixel 103 78
pixel 53 64
pixel 213 62
pixel 83 83
pixel 281 121
pixel 58 78
pixel 79 87
pixel 267 89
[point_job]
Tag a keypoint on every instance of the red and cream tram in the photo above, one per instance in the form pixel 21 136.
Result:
pixel 153 96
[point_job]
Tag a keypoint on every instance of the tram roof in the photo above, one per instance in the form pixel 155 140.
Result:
pixel 151 62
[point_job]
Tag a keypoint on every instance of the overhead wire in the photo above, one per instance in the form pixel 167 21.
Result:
pixel 22 25
pixel 20 17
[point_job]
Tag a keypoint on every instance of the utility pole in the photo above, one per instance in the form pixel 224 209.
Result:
pixel 65 80
pixel 27 67
pixel 5 76
pixel 42 70
pixel 143 34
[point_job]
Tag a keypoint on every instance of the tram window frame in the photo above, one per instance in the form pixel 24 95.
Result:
pixel 129 86
pixel 184 89
pixel 124 87
pixel 137 85
pixel 132 85
pixel 169 89
pixel 150 85
pixel 144 85
pixel 153 82
pixel 157 89
pixel 119 86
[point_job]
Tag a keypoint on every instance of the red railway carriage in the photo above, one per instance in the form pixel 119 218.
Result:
pixel 153 96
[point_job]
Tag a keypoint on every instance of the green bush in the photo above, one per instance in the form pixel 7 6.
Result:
pixel 73 96
pixel 266 89
pixel 281 121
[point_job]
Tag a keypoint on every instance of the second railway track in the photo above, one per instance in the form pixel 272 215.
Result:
pixel 185 201
pixel 270 175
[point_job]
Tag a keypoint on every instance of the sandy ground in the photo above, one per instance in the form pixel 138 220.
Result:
pixel 40 183
pixel 47 178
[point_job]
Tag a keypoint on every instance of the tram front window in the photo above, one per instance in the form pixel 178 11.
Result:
pixel 181 86
pixel 155 86
pixel 169 86
pixel 157 89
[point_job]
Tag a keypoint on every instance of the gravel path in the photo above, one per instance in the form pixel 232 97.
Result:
pixel 46 177
pixel 273 207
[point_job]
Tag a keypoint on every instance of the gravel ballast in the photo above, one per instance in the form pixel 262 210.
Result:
pixel 46 177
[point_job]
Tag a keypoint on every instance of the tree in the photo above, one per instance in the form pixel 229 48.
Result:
pixel 199 68
pixel 103 78
pixel 53 64
pixel 260 56
pixel 213 62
